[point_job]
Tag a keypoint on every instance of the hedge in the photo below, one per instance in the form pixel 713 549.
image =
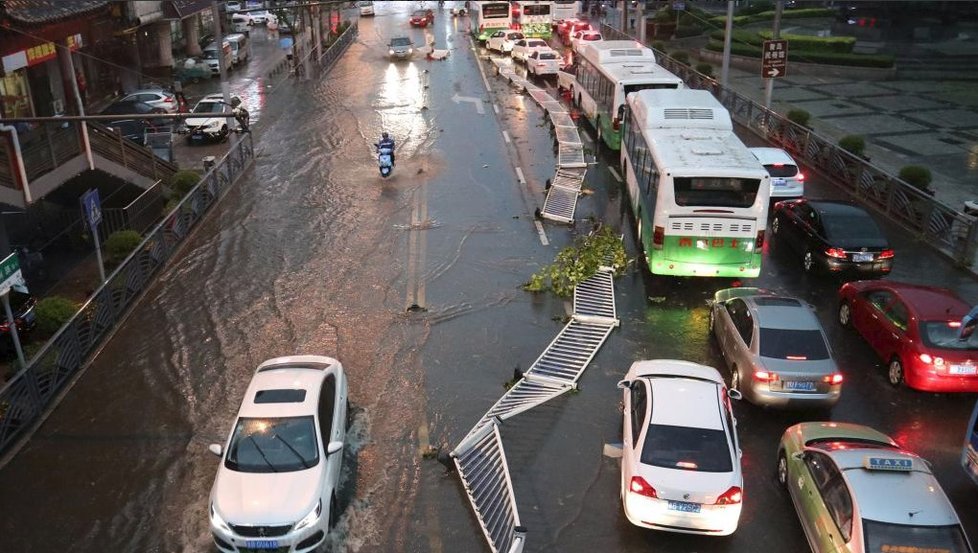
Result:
pixel 854 60
pixel 806 43
pixel 52 313
pixel 739 20
pixel 120 244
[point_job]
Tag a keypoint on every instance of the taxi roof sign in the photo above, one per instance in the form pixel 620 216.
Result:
pixel 900 464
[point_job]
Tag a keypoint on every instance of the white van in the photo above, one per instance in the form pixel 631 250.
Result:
pixel 240 48
pixel 366 7
pixel 241 23
pixel 210 56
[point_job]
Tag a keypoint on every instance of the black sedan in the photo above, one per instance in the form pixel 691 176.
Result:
pixel 132 129
pixel 833 237
pixel 131 108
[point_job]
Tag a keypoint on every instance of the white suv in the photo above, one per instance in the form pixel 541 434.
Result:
pixel 787 180
pixel 212 120
pixel 275 488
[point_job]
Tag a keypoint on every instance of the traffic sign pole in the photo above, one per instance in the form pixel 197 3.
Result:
pixel 12 325
pixel 92 211
pixel 776 35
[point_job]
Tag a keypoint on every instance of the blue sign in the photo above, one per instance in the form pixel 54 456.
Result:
pixel 285 43
pixel 92 207
pixel 888 463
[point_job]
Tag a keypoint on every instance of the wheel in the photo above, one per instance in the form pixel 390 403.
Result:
pixel 735 379
pixel 845 314
pixel 782 470
pixel 334 512
pixel 895 372
pixel 713 323
pixel 808 263
pixel 776 226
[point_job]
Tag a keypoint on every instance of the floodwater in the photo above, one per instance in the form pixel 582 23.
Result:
pixel 413 283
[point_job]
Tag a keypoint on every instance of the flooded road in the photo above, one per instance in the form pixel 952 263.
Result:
pixel 413 283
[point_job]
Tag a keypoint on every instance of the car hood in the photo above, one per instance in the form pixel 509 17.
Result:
pixel 202 121
pixel 266 498
pixel 689 485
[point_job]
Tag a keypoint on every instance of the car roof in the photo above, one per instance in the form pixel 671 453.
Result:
pixel 536 41
pixel 682 401
pixel 837 207
pixel 288 373
pixel 929 302
pixel 213 98
pixel 784 312
pixel 769 156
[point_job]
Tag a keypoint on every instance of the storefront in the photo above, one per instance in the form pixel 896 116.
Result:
pixel 32 82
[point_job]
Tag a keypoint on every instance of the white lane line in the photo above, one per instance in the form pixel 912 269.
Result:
pixel 519 174
pixel 506 137
pixel 478 62
pixel 542 233
pixel 495 108
pixel 615 174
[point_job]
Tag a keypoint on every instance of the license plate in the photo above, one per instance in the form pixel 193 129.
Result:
pixel 779 182
pixel 802 385
pixel 862 257
pixel 963 369
pixel 684 507
pixel 261 544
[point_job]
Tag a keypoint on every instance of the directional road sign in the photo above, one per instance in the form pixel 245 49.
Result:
pixel 774 60
pixel 10 275
pixel 92 207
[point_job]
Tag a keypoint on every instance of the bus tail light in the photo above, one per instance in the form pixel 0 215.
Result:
pixel 759 241
pixel 658 237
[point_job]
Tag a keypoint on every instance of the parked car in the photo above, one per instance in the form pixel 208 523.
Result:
pixel 836 237
pixel 775 348
pixel 131 108
pixel 502 41
pixel 524 47
pixel 132 129
pixel 156 97
pixel 400 48
pixel 680 466
pixel 22 306
pixel 232 6
pixel 214 122
pixel 543 62
pixel 276 486
pixel 856 489
pixel 262 17
pixel 916 330
pixel 787 180
pixel 581 38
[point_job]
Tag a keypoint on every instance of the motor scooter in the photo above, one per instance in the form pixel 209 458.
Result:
pixel 384 162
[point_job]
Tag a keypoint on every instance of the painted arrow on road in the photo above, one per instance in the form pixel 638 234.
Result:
pixel 476 101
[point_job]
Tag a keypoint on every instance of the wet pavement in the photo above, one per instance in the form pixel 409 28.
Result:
pixel 312 252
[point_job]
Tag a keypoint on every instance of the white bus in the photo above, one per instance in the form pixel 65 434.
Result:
pixel 534 18
pixel 607 71
pixel 489 17
pixel 700 199
pixel 565 9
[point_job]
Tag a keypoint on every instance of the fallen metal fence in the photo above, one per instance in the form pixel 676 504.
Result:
pixel 927 218
pixel 33 390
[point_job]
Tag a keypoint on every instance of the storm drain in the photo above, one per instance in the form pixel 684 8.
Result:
pixel 480 458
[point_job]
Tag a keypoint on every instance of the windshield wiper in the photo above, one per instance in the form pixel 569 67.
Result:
pixel 262 453
pixel 293 450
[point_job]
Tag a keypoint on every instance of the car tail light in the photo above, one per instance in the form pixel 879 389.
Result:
pixel 886 254
pixel 765 376
pixel 837 253
pixel 832 378
pixel 930 360
pixel 615 123
pixel 731 497
pixel 658 237
pixel 641 487
pixel 759 241
pixel 800 177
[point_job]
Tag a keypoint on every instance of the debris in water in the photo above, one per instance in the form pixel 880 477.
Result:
pixel 657 299
pixel 613 451
pixel 415 308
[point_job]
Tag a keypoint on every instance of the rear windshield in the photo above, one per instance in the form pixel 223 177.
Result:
pixel 882 537
pixel 795 345
pixel 536 43
pixel 685 448
pixel 944 334
pixel 716 191
pixel 850 226
pixel 547 56
pixel 629 88
pixel 781 170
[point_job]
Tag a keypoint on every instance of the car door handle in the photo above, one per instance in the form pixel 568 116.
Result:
pixel 875 317
pixel 894 334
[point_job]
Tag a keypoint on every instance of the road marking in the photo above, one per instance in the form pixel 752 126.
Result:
pixel 471 99
pixel 506 137
pixel 519 175
pixel 485 81
pixel 615 174
pixel 495 108
pixel 542 233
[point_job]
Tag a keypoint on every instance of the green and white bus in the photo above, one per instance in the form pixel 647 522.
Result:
pixel 607 71
pixel 534 18
pixel 489 17
pixel 699 197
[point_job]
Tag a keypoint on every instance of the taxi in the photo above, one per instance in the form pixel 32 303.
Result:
pixel 856 490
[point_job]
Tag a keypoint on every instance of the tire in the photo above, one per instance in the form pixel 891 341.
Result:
pixel 775 226
pixel 894 372
pixel 735 378
pixel 808 262
pixel 781 471
pixel 334 512
pixel 713 323
pixel 845 314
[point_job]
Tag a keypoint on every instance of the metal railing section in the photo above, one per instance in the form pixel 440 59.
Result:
pixel 33 390
pixel 951 231
pixel 479 457
pixel 565 188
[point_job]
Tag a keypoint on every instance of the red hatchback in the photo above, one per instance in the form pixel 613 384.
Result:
pixel 915 329
pixel 421 18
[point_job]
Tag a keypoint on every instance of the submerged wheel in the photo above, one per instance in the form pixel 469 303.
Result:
pixel 782 470
pixel 808 263
pixel 776 226
pixel 894 372
pixel 334 512
pixel 735 379
pixel 845 314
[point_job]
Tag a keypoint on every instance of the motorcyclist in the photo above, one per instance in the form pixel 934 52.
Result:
pixel 386 141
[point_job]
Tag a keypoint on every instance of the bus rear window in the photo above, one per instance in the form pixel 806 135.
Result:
pixel 715 191
pixel 496 9
pixel 629 88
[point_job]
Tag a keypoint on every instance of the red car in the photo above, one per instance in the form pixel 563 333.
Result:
pixel 421 18
pixel 916 330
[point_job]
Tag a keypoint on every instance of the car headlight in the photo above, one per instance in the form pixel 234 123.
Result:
pixel 390 52
pixel 410 50
pixel 311 518
pixel 213 124
pixel 217 521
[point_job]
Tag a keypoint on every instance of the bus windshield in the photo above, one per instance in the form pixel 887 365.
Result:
pixel 715 191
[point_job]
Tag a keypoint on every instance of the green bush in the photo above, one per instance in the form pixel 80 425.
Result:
pixel 120 244
pixel 183 181
pixel 52 313
pixel 828 58
pixel 681 57
pixel 916 176
pixel 683 31
pixel 756 8
pixel 807 43
pixel 799 116
pixel 853 144
pixel 739 20
pixel 705 69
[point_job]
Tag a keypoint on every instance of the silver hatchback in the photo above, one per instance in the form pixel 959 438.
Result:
pixel 775 348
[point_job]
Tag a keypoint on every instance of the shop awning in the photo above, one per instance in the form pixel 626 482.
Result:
pixel 38 12
pixel 179 9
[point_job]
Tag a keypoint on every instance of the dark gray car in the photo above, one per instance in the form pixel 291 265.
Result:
pixel 775 348
pixel 401 48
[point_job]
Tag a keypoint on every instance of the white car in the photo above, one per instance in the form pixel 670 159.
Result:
pixel 581 38
pixel 262 17
pixel 232 6
pixel 214 122
pixel 787 180
pixel 680 466
pixel 543 62
pixel 524 47
pixel 503 40
pixel 366 7
pixel 275 488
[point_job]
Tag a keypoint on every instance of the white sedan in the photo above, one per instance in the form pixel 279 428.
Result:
pixel 523 48
pixel 543 62
pixel 680 467
pixel 581 38
pixel 275 488
pixel 503 40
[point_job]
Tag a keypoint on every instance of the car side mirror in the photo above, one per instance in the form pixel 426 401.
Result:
pixel 735 395
pixel 624 384
pixel 216 449
pixel 799 455
pixel 333 447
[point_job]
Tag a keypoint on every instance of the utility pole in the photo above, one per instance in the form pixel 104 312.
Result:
pixel 776 34
pixel 221 61
pixel 725 67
